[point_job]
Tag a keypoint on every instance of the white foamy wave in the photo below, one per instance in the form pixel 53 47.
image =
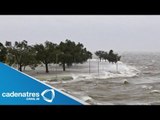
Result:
pixel 78 77
pixel 86 98
pixel 107 71
pixel 110 71
pixel 155 91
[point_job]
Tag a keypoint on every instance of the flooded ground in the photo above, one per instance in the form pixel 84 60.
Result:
pixel 136 82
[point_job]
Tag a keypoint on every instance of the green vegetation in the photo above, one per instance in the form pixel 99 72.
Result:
pixel 65 54
pixel 70 53
pixel 111 56
pixel 3 52
pixel 22 54
pixel 100 54
pixel 45 53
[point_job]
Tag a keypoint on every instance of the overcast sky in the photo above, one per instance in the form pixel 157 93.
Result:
pixel 96 32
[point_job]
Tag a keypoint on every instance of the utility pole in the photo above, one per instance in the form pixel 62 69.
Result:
pixel 116 64
pixel 98 67
pixel 56 64
pixel 89 67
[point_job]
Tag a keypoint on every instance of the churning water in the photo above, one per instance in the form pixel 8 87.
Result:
pixel 137 81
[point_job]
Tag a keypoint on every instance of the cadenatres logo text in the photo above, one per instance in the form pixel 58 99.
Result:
pixel 31 95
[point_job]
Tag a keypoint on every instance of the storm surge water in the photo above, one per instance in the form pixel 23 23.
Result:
pixel 105 70
pixel 136 82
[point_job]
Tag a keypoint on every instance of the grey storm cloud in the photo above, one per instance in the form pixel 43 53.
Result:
pixel 96 32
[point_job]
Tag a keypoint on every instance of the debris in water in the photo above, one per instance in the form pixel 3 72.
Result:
pixel 125 81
